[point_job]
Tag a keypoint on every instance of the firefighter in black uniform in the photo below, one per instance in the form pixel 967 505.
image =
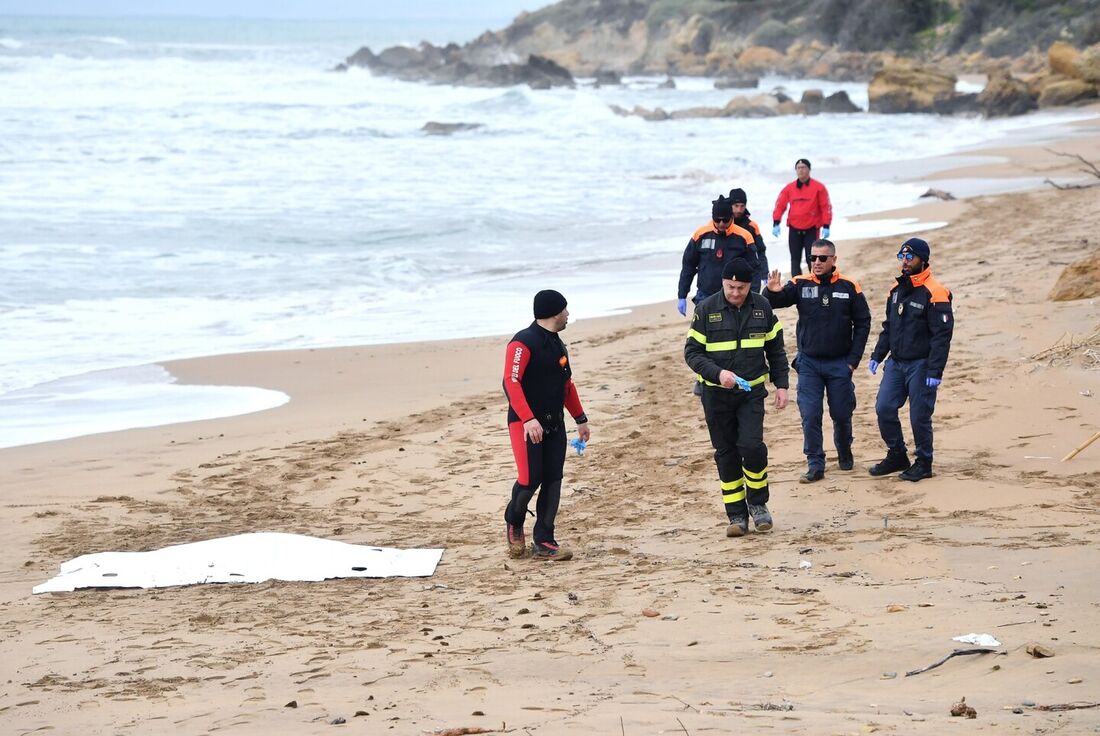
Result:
pixel 735 343
pixel 538 381
pixel 743 219
pixel 711 247
pixel 834 322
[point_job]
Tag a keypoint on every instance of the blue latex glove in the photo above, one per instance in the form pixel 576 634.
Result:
pixel 578 444
pixel 682 306
pixel 933 383
pixel 742 383
pixel 763 285
pixel 775 230
pixel 873 366
pixel 824 232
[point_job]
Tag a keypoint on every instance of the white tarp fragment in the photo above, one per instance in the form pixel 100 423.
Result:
pixel 243 558
pixel 981 640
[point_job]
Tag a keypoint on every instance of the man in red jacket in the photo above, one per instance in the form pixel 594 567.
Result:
pixel 810 210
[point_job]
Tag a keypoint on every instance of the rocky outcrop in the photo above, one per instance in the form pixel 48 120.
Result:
pixel 453 65
pixel 433 128
pixel 1079 280
pixel 1062 59
pixel 814 102
pixel 737 83
pixel 1005 95
pixel 752 106
pixel 1088 65
pixel 1068 92
pixel 903 88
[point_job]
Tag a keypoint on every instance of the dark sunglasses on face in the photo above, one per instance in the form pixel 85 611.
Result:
pixel 718 220
pixel 822 258
pixel 906 256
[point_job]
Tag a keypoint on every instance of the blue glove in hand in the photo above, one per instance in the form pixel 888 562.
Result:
pixel 825 232
pixel 682 306
pixel 742 383
pixel 775 230
pixel 933 383
pixel 873 366
pixel 578 444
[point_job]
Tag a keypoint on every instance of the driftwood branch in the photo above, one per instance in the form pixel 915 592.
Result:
pixel 1080 705
pixel 956 653
pixel 1089 168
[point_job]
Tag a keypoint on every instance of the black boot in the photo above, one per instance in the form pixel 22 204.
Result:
pixel 892 463
pixel 844 459
pixel 922 468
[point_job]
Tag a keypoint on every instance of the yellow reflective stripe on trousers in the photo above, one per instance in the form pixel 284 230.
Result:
pixel 738 488
pixel 730 485
pixel 753 382
pixel 733 497
pixel 753 474
pixel 756 483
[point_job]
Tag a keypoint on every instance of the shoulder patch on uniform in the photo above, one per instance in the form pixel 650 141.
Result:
pixel 758 314
pixel 714 317
pixel 840 295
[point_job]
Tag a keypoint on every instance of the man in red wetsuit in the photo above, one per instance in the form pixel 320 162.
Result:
pixel 538 381
pixel 810 210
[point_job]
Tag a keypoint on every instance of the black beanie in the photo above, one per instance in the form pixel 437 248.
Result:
pixel 917 247
pixel 721 209
pixel 738 196
pixel 739 270
pixel 803 161
pixel 548 303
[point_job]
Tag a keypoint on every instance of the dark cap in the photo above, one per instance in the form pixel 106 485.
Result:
pixel 738 196
pixel 548 303
pixel 803 161
pixel 917 247
pixel 738 270
pixel 721 208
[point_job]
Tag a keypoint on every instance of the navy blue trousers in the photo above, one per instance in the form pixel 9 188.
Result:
pixel 904 380
pixel 818 378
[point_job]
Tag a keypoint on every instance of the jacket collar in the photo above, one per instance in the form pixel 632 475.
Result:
pixel 834 276
pixel 917 279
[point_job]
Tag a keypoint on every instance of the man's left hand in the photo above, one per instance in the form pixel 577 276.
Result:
pixel 584 432
pixel 933 383
pixel 781 398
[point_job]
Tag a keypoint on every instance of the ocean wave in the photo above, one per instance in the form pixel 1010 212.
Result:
pixel 107 40
pixel 11 43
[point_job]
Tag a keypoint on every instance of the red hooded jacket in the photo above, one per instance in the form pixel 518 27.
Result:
pixel 809 203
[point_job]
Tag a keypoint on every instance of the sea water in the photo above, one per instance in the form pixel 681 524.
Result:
pixel 182 187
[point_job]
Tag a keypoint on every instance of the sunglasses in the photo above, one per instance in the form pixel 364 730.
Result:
pixel 820 258
pixel 906 256
pixel 722 219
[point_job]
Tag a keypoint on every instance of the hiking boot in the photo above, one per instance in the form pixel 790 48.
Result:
pixel 517 544
pixel 892 463
pixel 811 476
pixel 761 517
pixel 551 551
pixel 844 459
pixel 920 469
pixel 738 527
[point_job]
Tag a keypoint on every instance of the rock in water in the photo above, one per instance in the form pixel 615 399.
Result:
pixel 433 128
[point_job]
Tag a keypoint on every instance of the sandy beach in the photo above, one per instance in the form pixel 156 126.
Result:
pixel 406 446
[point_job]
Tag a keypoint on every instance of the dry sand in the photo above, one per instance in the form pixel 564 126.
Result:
pixel 406 446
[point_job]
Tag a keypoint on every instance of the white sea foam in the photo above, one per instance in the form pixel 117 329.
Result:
pixel 188 195
pixel 11 43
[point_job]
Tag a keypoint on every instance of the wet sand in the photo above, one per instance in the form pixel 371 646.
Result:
pixel 406 446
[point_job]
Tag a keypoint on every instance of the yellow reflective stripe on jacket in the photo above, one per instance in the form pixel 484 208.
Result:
pixel 697 336
pixel 774 331
pixel 752 342
pixel 726 345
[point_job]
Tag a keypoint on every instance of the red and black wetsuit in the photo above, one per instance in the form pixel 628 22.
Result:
pixel 538 381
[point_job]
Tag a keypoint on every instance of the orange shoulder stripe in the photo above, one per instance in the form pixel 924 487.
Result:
pixel 853 282
pixel 939 293
pixel 742 233
pixel 708 228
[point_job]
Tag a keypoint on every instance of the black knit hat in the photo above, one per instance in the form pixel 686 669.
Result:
pixel 917 247
pixel 738 269
pixel 548 303
pixel 803 161
pixel 738 196
pixel 721 209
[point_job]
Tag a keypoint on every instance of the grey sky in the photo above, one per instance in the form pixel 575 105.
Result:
pixel 498 10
